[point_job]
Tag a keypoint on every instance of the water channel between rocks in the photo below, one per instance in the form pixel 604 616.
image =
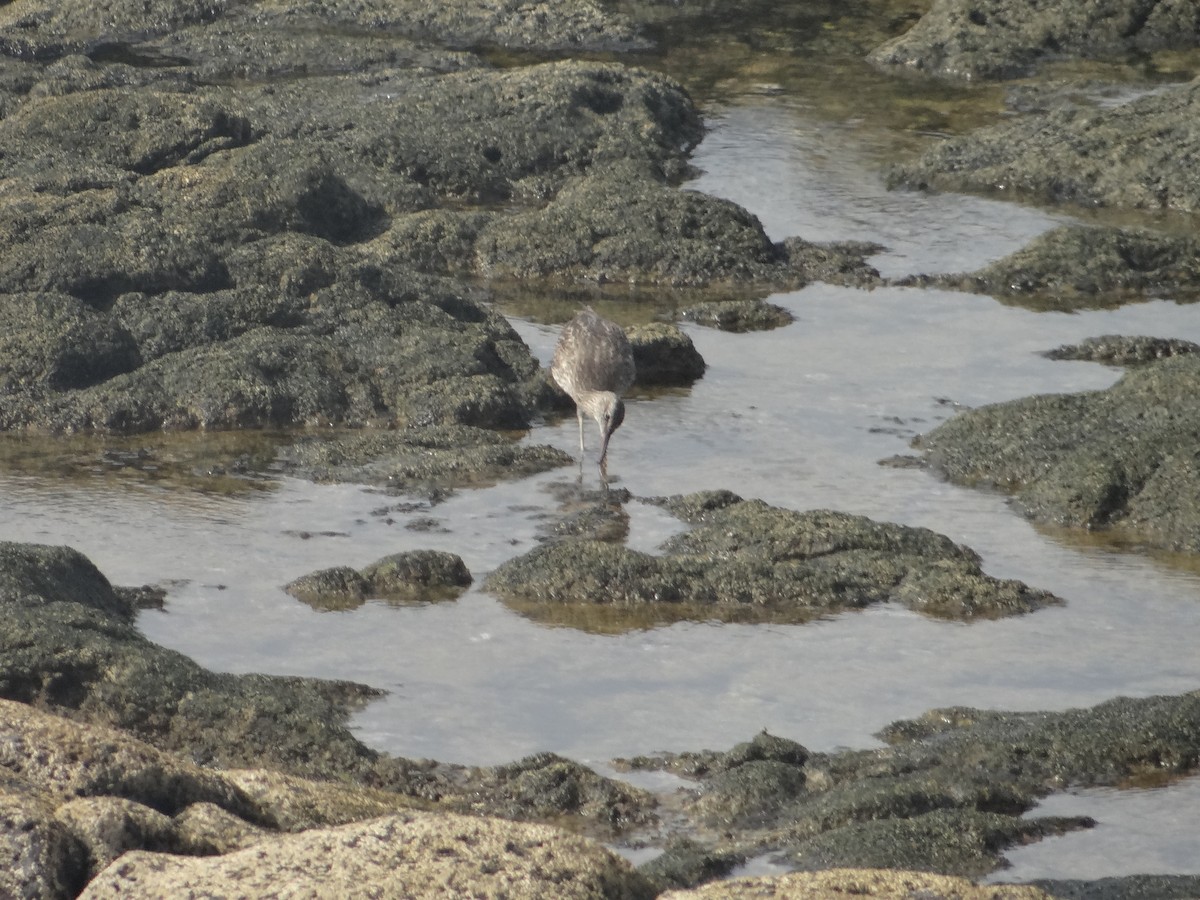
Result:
pixel 797 417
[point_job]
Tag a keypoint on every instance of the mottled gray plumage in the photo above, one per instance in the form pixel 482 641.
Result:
pixel 593 363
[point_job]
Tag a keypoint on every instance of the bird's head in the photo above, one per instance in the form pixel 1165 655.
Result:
pixel 612 414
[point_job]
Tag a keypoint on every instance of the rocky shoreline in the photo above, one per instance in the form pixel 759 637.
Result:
pixel 295 215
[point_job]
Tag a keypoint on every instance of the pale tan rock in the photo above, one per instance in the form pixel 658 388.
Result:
pixel 109 826
pixel 407 855
pixel 39 857
pixel 295 804
pixel 204 829
pixel 71 759
pixel 859 884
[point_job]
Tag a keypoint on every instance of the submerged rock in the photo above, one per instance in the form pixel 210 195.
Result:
pixel 1133 155
pixel 971 39
pixel 409 577
pixel 1122 459
pixel 747 561
pixel 413 460
pixel 1081 267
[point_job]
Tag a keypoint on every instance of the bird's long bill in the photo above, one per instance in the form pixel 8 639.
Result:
pixel 604 449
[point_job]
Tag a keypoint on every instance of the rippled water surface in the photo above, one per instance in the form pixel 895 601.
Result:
pixel 799 417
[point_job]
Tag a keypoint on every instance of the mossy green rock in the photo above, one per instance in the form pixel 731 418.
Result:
pixel 1123 458
pixel 748 561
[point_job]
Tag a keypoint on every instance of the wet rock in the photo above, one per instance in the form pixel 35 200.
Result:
pixel 340 587
pixel 969 39
pixel 664 355
pixel 954 843
pixel 748 561
pixel 625 223
pixel 843 262
pixel 737 315
pixel 413 576
pixel 1121 350
pixel 597 515
pixel 685 863
pixel 888 884
pixel 1125 156
pixel 409 855
pixel 1129 887
pixel 33 574
pixel 419 459
pixel 1121 459
pixel 1082 267
pixel 546 786
pixel 947 795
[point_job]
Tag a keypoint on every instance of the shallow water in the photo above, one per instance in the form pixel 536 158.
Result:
pixel 799 417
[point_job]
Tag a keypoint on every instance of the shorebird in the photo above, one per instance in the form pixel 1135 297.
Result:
pixel 593 363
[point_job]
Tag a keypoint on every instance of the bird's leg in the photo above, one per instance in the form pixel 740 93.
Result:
pixel 579 416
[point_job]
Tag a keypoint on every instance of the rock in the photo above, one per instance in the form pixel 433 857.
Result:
pixel 950 791
pixel 1128 887
pixel 41 857
pixel 1083 267
pixel 748 561
pixel 547 786
pixel 1119 350
pixel 969 39
pixel 737 315
pixel 664 355
pixel 340 587
pixel 870 884
pixel 412 460
pixel 412 576
pixel 1121 459
pixel 69 760
pixel 109 826
pixel 1132 155
pixel 403 855
pixel 684 863
pixel 40 573
pixel 623 224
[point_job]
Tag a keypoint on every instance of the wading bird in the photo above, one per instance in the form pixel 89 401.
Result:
pixel 593 363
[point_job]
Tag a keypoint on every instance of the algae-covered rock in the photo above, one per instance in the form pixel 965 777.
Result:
pixel 737 315
pixel 415 459
pixel 748 561
pixel 412 576
pixel 1133 155
pixel 404 855
pixel 982 39
pixel 870 884
pixel 1120 459
pixel 1081 267
pixel 948 794
pixel 664 355
pixel 1123 350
